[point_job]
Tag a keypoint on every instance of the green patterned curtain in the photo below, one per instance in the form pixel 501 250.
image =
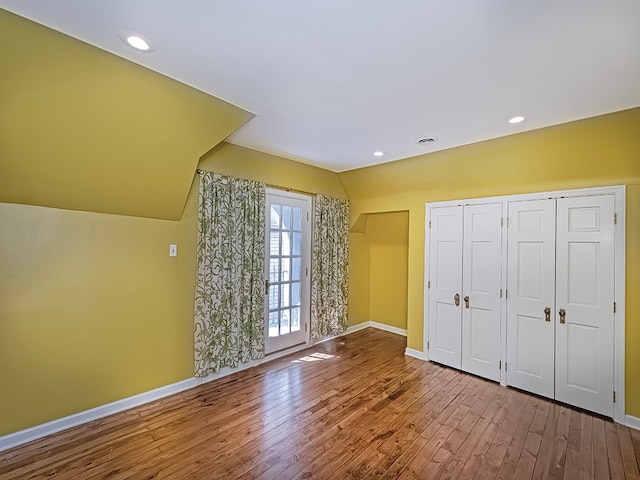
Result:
pixel 330 266
pixel 229 304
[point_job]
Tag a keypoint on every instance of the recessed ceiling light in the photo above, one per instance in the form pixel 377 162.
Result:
pixel 137 41
pixel 426 140
pixel 378 153
pixel 516 119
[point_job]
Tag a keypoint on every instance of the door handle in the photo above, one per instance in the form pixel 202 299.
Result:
pixel 267 284
pixel 466 301
pixel 456 299
pixel 563 314
pixel 547 314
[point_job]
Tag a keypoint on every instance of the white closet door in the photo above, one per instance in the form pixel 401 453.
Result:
pixel 585 293
pixel 482 246
pixel 445 257
pixel 531 290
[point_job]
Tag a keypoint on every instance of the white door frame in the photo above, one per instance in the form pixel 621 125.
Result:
pixel 305 267
pixel 619 193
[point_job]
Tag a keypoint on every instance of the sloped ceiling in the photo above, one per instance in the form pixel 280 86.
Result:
pixel 333 81
pixel 83 129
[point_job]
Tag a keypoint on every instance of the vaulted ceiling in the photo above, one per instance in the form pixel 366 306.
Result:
pixel 330 81
pixel 83 129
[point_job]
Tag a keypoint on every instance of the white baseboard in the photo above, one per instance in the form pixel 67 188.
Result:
pixel 30 434
pixel 388 328
pixel 39 431
pixel 372 324
pixel 410 352
pixel 356 328
pixel 632 422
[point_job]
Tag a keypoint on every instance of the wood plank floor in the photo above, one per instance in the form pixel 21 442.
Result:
pixel 352 407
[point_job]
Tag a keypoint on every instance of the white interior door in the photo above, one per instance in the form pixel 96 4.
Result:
pixel 288 241
pixel 481 267
pixel 445 261
pixel 585 296
pixel 531 262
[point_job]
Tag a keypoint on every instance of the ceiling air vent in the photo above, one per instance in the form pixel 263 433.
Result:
pixel 426 140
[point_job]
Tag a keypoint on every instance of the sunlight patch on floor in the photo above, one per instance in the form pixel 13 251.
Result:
pixel 314 357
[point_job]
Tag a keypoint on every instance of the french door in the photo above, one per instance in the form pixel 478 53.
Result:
pixel 287 259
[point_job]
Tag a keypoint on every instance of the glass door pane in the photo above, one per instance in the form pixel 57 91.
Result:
pixel 287 262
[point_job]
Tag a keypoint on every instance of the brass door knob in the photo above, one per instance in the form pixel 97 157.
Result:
pixel 466 301
pixel 456 299
pixel 563 315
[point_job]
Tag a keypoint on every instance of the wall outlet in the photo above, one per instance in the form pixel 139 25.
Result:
pixel 173 250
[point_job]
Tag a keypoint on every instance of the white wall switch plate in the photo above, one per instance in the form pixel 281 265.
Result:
pixel 173 250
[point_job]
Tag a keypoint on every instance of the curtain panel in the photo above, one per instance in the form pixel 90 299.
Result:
pixel 229 301
pixel 329 267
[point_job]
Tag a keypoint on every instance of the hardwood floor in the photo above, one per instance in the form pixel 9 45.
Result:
pixel 353 407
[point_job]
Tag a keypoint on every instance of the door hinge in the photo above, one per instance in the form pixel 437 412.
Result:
pixel 500 293
pixel 267 284
pixel 307 216
pixel 506 293
pixel 614 396
pixel 614 307
pixel 427 344
pixel 305 327
pixel 429 284
pixel 505 366
pixel 502 222
pixel 500 365
pixel 615 218
pixel 429 223
pixel 306 271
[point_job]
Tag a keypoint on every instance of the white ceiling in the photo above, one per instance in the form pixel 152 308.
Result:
pixel 332 81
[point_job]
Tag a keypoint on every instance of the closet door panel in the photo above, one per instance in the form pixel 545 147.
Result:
pixel 585 294
pixel 481 269
pixel 531 290
pixel 445 260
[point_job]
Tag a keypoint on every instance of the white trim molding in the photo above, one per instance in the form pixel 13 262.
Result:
pixel 410 352
pixel 372 324
pixel 619 193
pixel 632 422
pixel 388 328
pixel 39 431
pixel 356 328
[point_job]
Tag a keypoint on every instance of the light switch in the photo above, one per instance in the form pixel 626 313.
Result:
pixel 173 250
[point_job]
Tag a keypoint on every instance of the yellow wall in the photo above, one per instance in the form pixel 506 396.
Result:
pixel 83 129
pixel 88 311
pixel 359 276
pixel 237 161
pixel 93 309
pixel 387 235
pixel 603 150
